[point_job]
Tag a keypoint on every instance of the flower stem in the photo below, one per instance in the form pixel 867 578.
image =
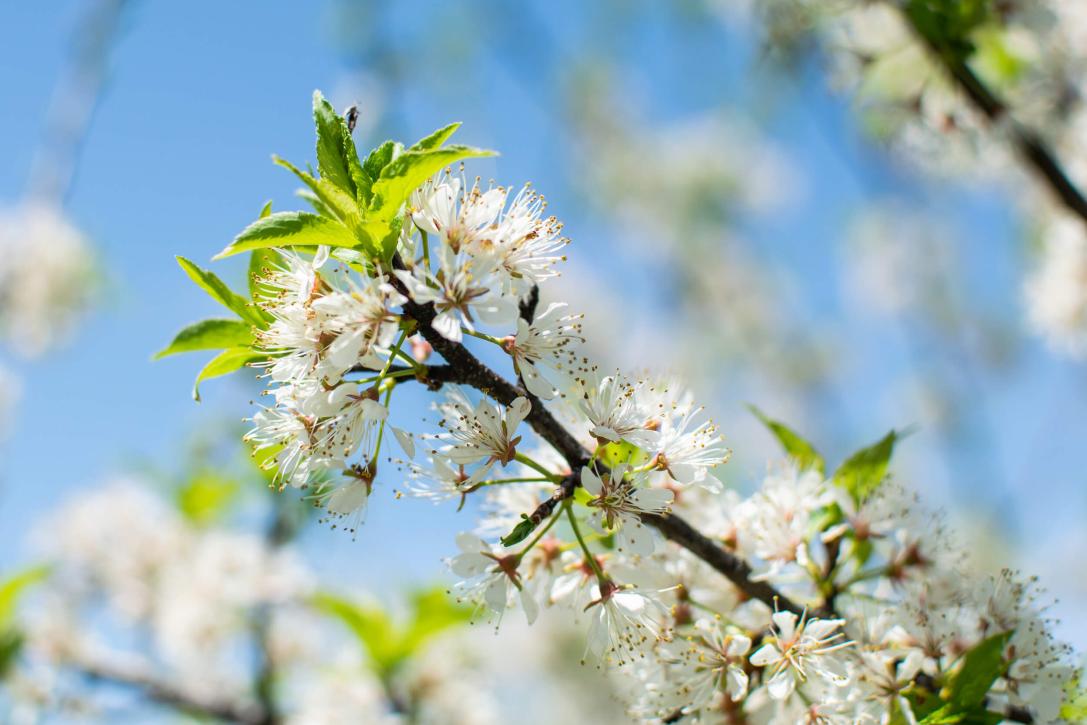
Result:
pixel 388 393
pixel 482 336
pixel 522 458
pixel 392 375
pixel 601 578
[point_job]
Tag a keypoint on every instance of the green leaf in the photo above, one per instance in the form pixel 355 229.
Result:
pixel 370 625
pixel 406 173
pixel 13 587
pixel 332 145
pixel 435 139
pixel 864 471
pixel 340 204
pixel 11 643
pixel 434 612
pixel 981 667
pixel 290 228
pixel 616 452
pixel 520 532
pixel 1074 707
pixel 226 362
pixel 209 335
pixel 795 446
pixel 206 496
pixel 386 644
pixel 375 162
pixel 387 244
pixel 217 289
pixel 266 209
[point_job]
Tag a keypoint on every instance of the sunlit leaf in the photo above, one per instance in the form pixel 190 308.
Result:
pixel 206 496
pixel 224 363
pixel 335 147
pixel 290 228
pixel 795 446
pixel 435 139
pixel 15 586
pixel 214 334
pixel 220 292
pixel 863 472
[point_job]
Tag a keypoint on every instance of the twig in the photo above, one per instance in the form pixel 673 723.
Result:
pixel 166 693
pixel 735 569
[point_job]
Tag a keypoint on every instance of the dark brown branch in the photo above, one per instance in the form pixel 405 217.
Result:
pixel 527 306
pixel 165 693
pixel 1028 143
pixel 1017 714
pixel 465 368
pixel 470 371
pixel 735 569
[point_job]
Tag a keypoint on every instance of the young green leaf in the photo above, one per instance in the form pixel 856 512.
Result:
pixel 371 626
pixel 795 446
pixel 616 452
pixel 266 209
pixel 206 496
pixel 520 532
pixel 375 162
pixel 863 472
pixel 213 334
pixel 981 667
pixel 229 360
pixel 340 204
pixel 332 151
pixel 386 643
pixel 13 587
pixel 11 643
pixel 408 171
pixel 966 692
pixel 435 139
pixel 290 228
pixel 217 289
pixel 1074 708
pixel 387 245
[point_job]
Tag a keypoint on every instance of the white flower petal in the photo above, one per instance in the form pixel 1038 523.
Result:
pixel 406 441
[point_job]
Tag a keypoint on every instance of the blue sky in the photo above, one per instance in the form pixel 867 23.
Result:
pixel 177 160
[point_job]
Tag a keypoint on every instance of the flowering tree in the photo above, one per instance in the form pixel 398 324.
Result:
pixel 830 595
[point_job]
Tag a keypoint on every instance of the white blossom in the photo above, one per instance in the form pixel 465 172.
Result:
pixel 798 650
pixel 618 498
pixel 490 578
pixel 544 343
pixel 485 432
pixel 461 290
pixel 623 621
pixel 611 406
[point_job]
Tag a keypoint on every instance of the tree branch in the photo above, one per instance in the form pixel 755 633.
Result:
pixel 165 693
pixel 735 569
pixel 465 368
pixel 1028 143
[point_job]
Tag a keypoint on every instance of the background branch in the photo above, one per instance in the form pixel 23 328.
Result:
pixel 1028 143
pixel 165 693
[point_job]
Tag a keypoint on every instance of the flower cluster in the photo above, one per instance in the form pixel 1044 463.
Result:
pixel 819 598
